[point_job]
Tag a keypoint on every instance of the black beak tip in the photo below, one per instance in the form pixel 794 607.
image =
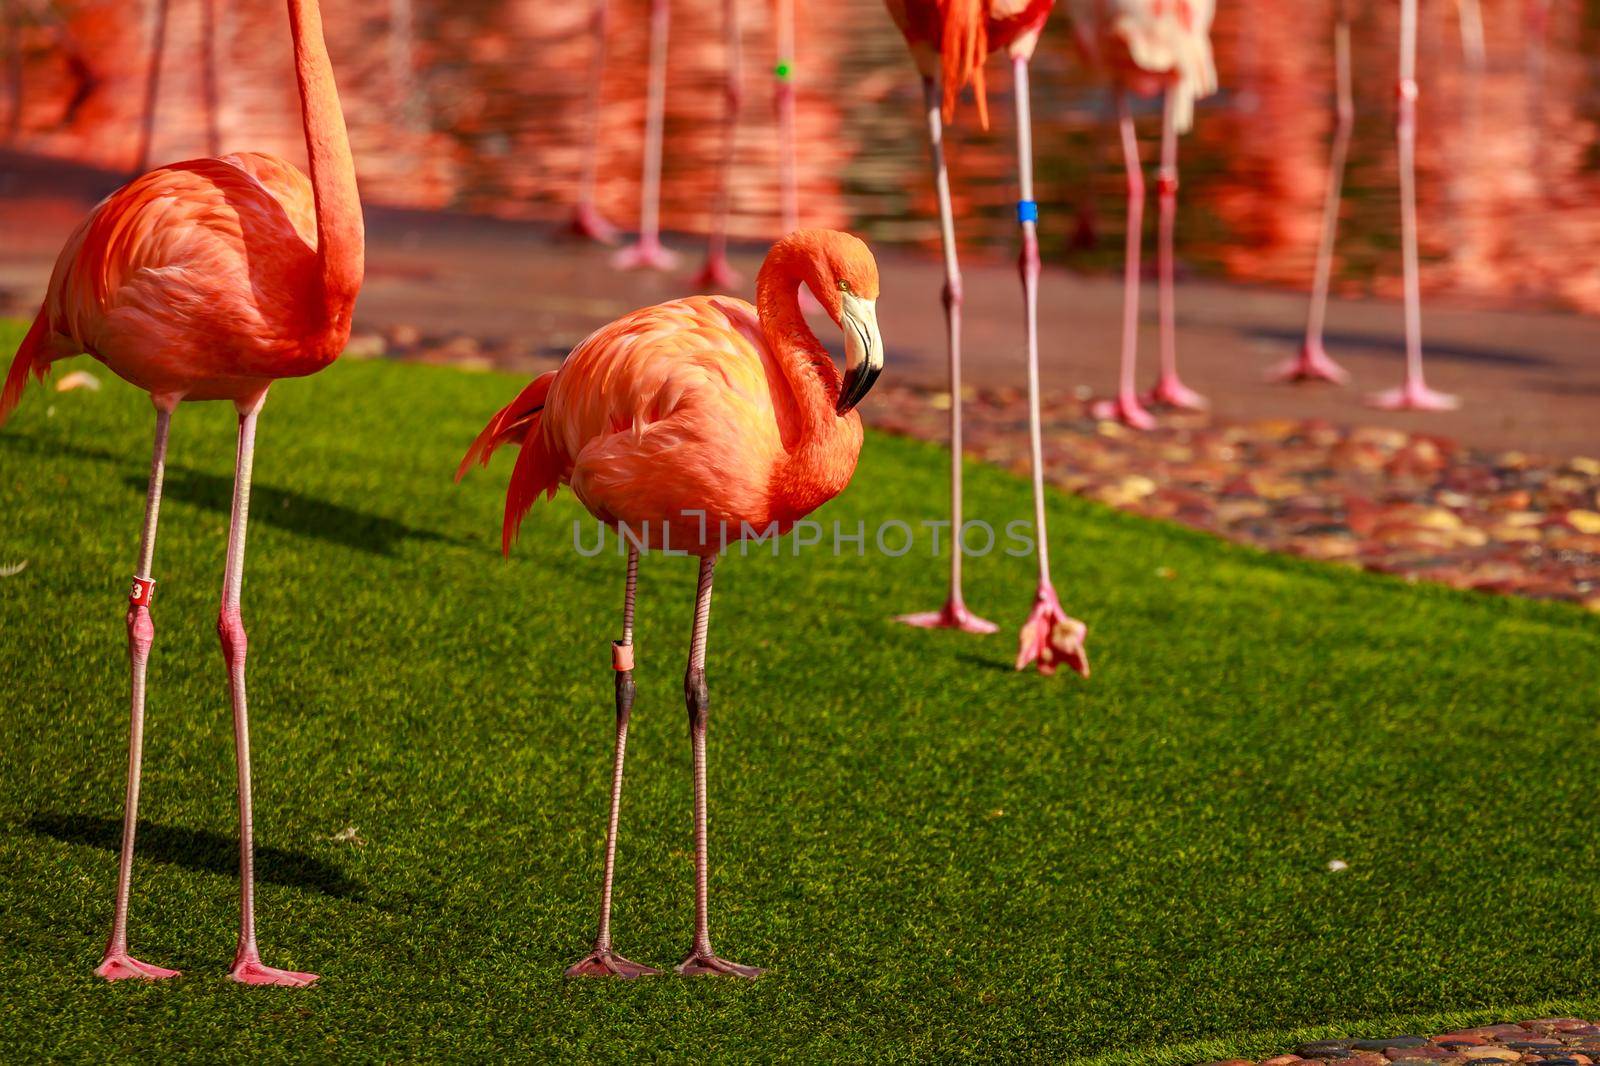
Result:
pixel 857 383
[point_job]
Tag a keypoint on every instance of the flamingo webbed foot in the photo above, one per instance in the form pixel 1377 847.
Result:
pixel 716 274
pixel 645 255
pixel 1051 637
pixel 705 964
pixel 121 966
pixel 248 969
pixel 1311 364
pixel 1169 391
pixel 607 963
pixel 1414 396
pixel 953 615
pixel 1125 409
pixel 588 223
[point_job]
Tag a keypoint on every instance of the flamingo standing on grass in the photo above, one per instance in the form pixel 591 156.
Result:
pixel 1146 47
pixel 689 424
pixel 950 40
pixel 209 280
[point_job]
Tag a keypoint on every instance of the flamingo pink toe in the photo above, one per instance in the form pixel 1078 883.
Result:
pixel 1050 637
pixel 209 280
pixel 1414 396
pixel 1311 364
pixel 1124 408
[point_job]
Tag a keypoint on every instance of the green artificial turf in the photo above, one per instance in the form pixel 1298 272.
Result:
pixel 934 855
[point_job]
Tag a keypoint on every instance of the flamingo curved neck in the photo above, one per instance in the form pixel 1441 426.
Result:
pixel 812 377
pixel 341 240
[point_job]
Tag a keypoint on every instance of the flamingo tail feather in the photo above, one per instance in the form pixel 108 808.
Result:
pixel 30 357
pixel 537 471
pixel 962 51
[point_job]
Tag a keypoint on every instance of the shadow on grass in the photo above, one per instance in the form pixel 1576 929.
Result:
pixel 291 510
pixel 198 849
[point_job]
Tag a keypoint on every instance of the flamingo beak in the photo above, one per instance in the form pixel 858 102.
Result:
pixel 863 350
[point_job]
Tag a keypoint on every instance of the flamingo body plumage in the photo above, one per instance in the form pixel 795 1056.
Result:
pixel 713 419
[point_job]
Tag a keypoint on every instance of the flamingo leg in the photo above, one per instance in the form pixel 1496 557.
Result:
pixel 647 252
pixel 587 221
pixel 954 613
pixel 1413 394
pixel 208 74
pixel 117 964
pixel 1313 363
pixel 152 84
pixel 702 960
pixel 603 961
pixel 788 177
pixel 1169 389
pixel 247 965
pixel 1126 408
pixel 716 273
pixel 1048 636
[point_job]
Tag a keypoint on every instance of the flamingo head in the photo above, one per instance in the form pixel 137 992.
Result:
pixel 841 273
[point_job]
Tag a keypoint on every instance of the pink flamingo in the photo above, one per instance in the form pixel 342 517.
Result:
pixel 209 280
pixel 717 273
pixel 648 252
pixel 1145 47
pixel 208 79
pixel 1313 362
pixel 1413 393
pixel 690 424
pixel 949 40
pixel 587 221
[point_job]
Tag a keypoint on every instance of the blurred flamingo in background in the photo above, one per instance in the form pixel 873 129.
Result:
pixel 1146 47
pixel 587 221
pixel 1413 393
pixel 209 280
pixel 783 71
pixel 688 423
pixel 1313 363
pixel 950 40
pixel 716 273
pixel 208 78
pixel 84 80
pixel 647 252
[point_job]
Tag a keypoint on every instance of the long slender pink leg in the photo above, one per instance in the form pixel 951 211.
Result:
pixel 603 961
pixel 247 965
pixel 716 273
pixel 954 613
pixel 117 964
pixel 1414 394
pixel 1126 408
pixel 587 221
pixel 647 252
pixel 1049 636
pixel 1169 389
pixel 783 70
pixel 1472 50
pixel 702 960
pixel 152 84
pixel 1312 363
pixel 208 74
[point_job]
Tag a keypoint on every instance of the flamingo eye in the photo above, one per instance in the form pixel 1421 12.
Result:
pixel 844 286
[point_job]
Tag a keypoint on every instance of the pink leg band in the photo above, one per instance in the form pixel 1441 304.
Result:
pixel 621 655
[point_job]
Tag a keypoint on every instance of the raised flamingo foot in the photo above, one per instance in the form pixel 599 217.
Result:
pixel 953 615
pixel 699 965
pixel 1051 637
pixel 1312 364
pixel 250 970
pixel 1414 396
pixel 588 223
pixel 1170 392
pixel 122 966
pixel 608 963
pixel 716 274
pixel 1125 409
pixel 645 255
